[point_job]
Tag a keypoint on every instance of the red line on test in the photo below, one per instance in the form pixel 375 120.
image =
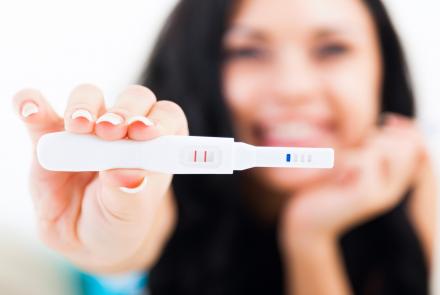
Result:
pixel 204 157
pixel 195 155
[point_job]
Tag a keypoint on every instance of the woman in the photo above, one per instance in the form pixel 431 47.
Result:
pixel 284 72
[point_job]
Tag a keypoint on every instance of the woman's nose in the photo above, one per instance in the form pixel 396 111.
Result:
pixel 294 77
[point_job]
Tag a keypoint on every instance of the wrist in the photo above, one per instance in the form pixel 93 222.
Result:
pixel 299 236
pixel 309 244
pixel 315 266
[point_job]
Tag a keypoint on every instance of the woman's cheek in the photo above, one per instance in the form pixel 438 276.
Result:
pixel 355 103
pixel 244 91
pixel 237 89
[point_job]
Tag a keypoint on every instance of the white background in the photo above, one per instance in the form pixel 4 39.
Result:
pixel 55 45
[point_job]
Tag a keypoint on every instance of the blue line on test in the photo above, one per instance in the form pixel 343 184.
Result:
pixel 287 157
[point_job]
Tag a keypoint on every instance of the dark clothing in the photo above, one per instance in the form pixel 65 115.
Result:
pixel 220 248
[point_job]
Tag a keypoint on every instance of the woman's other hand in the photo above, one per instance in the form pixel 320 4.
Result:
pixel 368 180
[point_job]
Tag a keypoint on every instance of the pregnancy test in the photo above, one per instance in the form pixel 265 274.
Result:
pixel 175 154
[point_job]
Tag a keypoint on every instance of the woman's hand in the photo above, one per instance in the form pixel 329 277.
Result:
pixel 368 181
pixel 115 220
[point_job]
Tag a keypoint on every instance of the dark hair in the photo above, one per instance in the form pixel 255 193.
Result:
pixel 216 247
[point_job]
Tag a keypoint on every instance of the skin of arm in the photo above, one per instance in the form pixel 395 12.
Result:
pixel 423 207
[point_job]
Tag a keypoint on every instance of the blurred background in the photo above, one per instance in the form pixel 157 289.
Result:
pixel 55 45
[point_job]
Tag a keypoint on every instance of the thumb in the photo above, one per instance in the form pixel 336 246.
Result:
pixel 36 113
pixel 132 194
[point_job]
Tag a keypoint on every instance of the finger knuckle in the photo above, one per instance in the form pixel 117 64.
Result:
pixel 141 91
pixel 85 94
pixel 172 108
pixel 169 105
pixel 175 112
pixel 86 87
pixel 26 93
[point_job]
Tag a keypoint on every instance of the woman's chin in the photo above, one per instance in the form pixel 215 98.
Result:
pixel 290 179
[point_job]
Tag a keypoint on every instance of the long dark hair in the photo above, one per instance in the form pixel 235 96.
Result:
pixel 212 238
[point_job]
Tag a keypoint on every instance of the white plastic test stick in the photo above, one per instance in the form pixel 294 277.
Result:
pixel 64 151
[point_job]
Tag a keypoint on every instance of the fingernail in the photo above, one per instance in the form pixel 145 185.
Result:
pixel 28 109
pixel 111 118
pixel 134 190
pixel 81 113
pixel 142 119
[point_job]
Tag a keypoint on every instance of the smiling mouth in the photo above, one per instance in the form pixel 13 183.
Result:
pixel 293 133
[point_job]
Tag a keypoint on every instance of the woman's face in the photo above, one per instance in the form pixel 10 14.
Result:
pixel 301 73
